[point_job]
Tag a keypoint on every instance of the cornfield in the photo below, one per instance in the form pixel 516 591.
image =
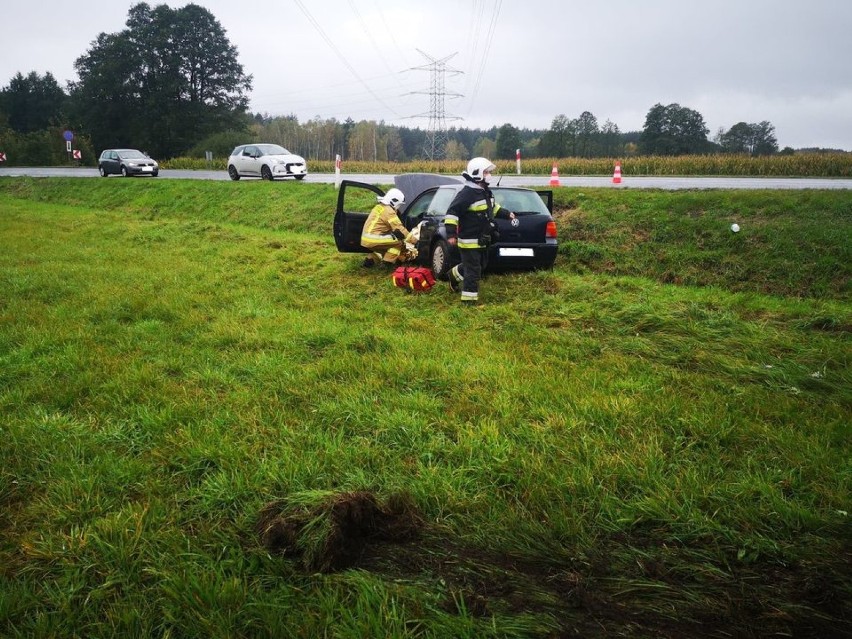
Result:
pixel 798 165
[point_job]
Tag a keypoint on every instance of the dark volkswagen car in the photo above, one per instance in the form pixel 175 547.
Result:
pixel 126 162
pixel 527 242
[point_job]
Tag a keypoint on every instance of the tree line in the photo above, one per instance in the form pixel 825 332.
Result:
pixel 170 83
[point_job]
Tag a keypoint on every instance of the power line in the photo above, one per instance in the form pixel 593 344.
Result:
pixel 332 98
pixel 340 55
pixel 390 32
pixel 473 41
pixel 366 29
pixel 484 58
pixel 313 90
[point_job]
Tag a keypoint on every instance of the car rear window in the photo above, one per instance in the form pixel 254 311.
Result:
pixel 521 202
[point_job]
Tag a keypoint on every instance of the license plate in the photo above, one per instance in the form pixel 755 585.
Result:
pixel 147 168
pixel 516 252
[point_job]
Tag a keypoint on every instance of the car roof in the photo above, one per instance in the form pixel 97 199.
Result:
pixel 259 144
pixel 119 150
pixel 413 184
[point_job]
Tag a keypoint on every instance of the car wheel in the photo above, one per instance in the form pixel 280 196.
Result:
pixel 232 173
pixel 102 170
pixel 265 173
pixel 124 171
pixel 155 174
pixel 441 259
pixel 299 177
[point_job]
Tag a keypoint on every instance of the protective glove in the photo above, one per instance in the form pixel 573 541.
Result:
pixel 414 235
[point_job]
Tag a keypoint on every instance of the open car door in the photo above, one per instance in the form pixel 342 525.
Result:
pixel 354 203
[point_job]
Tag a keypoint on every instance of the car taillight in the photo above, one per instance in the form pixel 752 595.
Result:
pixel 550 231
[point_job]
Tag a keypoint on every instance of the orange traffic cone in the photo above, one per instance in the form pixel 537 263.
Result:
pixel 554 177
pixel 616 176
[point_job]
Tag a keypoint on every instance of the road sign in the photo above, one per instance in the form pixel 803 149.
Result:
pixel 77 155
pixel 68 146
pixel 2 157
pixel 68 136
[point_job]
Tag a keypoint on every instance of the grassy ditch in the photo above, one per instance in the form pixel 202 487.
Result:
pixel 215 425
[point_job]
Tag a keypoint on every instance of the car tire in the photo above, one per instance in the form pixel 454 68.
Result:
pixel 102 171
pixel 265 173
pixel 440 259
pixel 124 171
pixel 299 177
pixel 232 173
pixel 155 174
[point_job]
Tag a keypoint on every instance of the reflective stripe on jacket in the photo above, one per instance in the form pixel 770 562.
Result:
pixel 470 213
pixel 383 227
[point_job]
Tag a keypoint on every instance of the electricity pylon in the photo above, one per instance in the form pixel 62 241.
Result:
pixel 436 135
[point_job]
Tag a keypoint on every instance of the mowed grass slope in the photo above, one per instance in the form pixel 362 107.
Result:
pixel 652 439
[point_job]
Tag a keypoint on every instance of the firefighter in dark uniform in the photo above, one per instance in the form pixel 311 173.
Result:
pixel 470 226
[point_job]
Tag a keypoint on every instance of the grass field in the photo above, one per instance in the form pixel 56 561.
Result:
pixel 797 165
pixel 214 425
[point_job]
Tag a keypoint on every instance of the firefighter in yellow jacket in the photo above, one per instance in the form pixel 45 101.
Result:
pixel 384 233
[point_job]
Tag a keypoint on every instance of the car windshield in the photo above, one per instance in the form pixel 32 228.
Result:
pixel 132 154
pixel 272 149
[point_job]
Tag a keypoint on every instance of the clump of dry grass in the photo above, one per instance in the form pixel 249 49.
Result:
pixel 330 530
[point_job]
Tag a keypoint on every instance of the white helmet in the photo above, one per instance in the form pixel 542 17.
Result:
pixel 393 198
pixel 477 168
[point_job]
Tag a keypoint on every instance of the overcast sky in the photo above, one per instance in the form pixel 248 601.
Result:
pixel 521 62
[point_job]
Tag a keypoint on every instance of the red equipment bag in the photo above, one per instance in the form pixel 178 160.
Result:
pixel 414 278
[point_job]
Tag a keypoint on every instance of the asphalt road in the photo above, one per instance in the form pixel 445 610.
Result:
pixel 667 183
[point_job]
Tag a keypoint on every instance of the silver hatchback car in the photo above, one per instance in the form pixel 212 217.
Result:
pixel 126 162
pixel 267 161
